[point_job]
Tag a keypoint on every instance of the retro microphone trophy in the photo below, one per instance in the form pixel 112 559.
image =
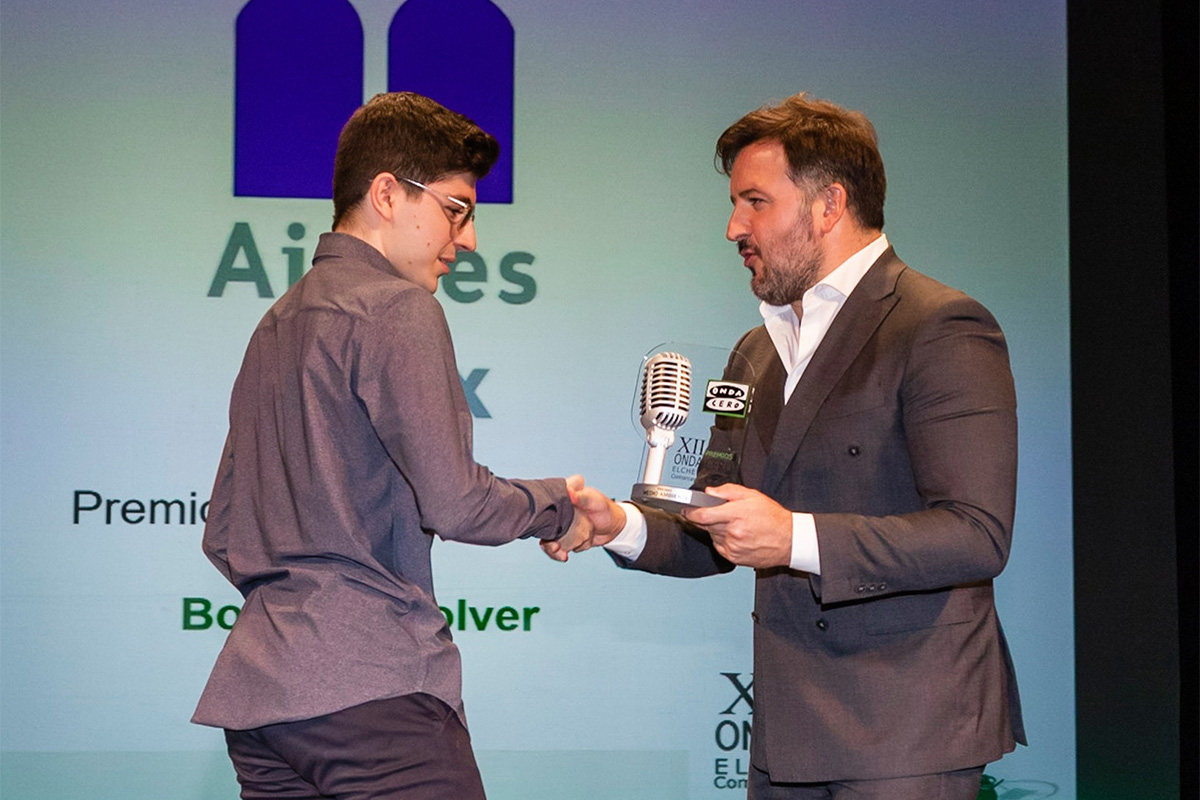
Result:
pixel 678 435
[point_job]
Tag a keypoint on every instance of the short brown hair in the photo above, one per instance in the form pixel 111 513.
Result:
pixel 409 136
pixel 824 143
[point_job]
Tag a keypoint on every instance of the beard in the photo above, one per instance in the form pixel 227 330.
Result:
pixel 790 269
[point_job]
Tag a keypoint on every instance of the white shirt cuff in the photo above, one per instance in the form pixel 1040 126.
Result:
pixel 630 542
pixel 806 555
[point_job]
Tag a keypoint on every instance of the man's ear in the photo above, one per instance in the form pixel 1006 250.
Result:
pixel 832 202
pixel 383 194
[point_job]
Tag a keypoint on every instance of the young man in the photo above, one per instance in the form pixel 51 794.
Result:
pixel 349 449
pixel 874 491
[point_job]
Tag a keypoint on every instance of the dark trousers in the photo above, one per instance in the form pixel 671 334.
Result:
pixel 962 784
pixel 412 747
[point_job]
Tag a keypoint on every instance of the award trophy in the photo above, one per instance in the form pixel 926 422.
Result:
pixel 683 404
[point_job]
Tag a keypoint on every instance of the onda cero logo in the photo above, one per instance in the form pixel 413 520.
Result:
pixel 726 398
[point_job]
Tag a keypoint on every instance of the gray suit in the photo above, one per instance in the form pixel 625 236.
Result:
pixel 901 439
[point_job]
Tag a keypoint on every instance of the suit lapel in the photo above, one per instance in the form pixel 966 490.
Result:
pixel 768 401
pixel 856 322
pixel 766 406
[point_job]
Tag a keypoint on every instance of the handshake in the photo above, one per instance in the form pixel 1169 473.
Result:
pixel 597 521
pixel 749 529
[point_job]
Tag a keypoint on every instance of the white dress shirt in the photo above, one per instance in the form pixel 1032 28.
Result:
pixel 795 339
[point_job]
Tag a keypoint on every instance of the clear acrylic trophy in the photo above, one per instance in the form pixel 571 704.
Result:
pixel 680 400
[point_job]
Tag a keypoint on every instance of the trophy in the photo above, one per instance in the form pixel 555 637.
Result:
pixel 680 401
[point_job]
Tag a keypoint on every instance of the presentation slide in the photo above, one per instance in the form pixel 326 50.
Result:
pixel 164 177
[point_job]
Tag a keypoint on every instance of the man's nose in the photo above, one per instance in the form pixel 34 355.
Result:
pixel 736 229
pixel 465 238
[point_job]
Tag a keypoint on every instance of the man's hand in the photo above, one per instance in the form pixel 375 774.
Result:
pixel 749 529
pixel 597 521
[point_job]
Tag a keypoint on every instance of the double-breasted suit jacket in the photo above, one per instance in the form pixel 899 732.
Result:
pixel 901 440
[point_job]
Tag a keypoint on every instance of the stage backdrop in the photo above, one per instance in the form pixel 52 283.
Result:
pixel 161 171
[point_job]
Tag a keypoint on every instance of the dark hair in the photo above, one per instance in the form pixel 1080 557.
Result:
pixel 409 136
pixel 824 143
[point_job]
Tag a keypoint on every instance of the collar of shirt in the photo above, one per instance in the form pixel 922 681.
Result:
pixel 796 340
pixel 333 244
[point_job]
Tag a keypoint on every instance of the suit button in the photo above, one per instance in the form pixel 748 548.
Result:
pixel 822 624
pixel 882 586
pixel 854 450
pixel 860 588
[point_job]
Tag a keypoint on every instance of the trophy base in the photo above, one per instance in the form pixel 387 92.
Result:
pixel 670 498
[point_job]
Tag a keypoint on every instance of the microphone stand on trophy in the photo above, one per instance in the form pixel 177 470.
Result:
pixel 663 408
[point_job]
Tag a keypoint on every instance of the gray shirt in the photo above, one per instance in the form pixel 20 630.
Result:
pixel 349 449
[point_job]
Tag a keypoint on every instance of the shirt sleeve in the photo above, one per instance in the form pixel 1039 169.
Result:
pixel 406 376
pixel 630 542
pixel 806 553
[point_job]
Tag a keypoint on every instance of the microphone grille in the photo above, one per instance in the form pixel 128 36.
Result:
pixel 666 391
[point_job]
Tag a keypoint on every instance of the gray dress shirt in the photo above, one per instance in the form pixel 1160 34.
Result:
pixel 349 449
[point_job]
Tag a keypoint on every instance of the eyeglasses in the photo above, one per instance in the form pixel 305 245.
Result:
pixel 459 212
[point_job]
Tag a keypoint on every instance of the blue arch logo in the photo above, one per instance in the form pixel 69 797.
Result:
pixel 299 77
